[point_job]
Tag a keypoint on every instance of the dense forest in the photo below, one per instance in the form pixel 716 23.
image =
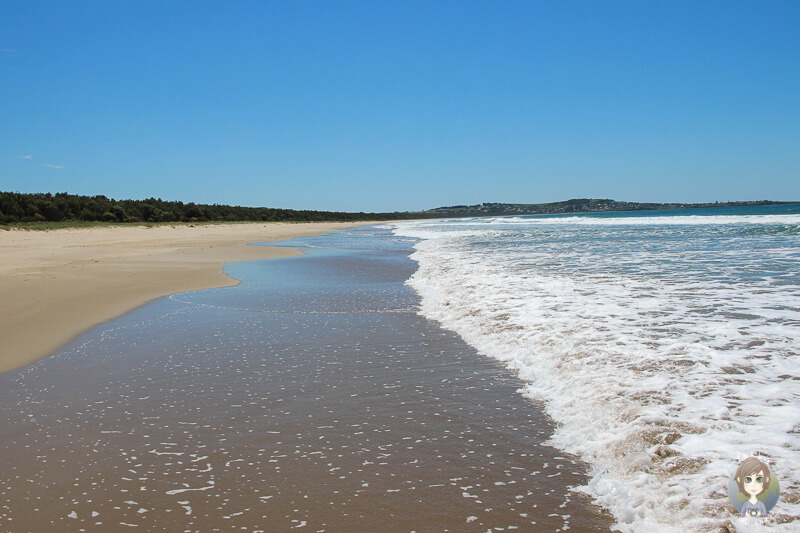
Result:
pixel 46 207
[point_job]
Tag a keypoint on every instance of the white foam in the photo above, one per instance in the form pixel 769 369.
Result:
pixel 665 355
pixel 685 220
pixel 189 489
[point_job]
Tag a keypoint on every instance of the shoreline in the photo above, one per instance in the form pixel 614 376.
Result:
pixel 56 285
pixel 314 393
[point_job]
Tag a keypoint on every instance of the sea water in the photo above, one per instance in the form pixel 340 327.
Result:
pixel 663 344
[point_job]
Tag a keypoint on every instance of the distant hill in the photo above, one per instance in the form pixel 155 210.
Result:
pixel 577 205
pixel 63 207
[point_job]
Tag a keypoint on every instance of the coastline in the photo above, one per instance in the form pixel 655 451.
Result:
pixel 55 285
pixel 312 394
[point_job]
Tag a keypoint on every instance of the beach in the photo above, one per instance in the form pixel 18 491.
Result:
pixel 311 396
pixel 594 373
pixel 57 284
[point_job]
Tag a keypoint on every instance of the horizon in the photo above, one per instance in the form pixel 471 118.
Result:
pixel 357 107
pixel 688 205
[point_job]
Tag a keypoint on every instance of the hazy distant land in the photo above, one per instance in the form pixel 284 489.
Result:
pixel 577 205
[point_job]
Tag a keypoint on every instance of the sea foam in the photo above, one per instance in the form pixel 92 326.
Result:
pixel 665 348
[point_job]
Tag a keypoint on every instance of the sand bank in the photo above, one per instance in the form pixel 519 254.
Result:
pixel 57 284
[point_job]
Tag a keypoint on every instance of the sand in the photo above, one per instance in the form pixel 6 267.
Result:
pixel 312 397
pixel 55 285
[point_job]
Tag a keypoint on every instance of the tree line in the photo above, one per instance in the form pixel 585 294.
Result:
pixel 46 207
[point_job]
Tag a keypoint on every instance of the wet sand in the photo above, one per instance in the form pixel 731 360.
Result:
pixel 311 397
pixel 57 284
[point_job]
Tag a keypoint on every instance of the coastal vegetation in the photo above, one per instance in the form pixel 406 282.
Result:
pixel 63 207
pixel 44 210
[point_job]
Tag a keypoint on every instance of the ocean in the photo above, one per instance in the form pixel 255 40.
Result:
pixel 663 344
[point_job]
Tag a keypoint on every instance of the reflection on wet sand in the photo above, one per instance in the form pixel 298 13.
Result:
pixel 196 414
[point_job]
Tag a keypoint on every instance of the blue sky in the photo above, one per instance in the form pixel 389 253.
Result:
pixel 383 106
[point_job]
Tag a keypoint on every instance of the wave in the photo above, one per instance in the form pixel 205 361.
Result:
pixel 663 360
pixel 588 220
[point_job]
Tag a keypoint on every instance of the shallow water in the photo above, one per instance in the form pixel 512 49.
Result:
pixel 312 396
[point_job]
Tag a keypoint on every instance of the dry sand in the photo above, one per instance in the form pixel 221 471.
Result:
pixel 54 285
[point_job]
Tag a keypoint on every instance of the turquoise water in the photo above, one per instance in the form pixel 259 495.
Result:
pixel 664 344
pixel 775 209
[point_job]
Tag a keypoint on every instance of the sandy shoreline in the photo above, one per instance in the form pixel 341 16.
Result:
pixel 314 396
pixel 54 285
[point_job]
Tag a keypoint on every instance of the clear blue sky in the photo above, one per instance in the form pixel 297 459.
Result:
pixel 401 105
